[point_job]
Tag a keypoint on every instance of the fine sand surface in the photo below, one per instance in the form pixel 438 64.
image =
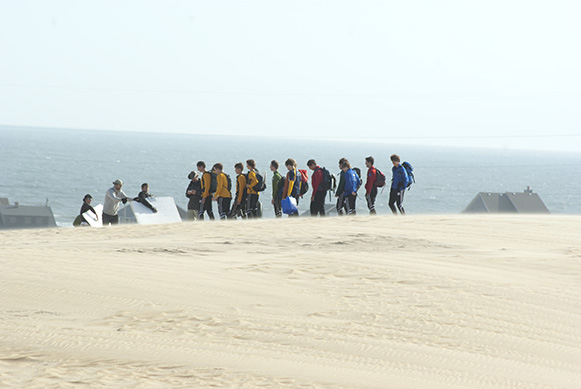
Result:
pixel 416 302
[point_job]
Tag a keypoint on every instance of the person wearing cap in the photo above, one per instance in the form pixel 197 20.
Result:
pixel 87 207
pixel 113 198
pixel 194 193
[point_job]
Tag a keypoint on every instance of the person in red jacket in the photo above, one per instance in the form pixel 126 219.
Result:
pixel 370 188
pixel 319 192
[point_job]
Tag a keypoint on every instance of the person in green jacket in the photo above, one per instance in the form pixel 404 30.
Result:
pixel 341 205
pixel 276 188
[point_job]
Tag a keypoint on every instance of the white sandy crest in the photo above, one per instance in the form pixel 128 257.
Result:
pixel 425 301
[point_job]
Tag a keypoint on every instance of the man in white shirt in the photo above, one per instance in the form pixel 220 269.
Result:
pixel 113 199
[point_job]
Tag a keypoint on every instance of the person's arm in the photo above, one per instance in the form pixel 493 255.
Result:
pixel 241 188
pixel 371 176
pixel 207 182
pixel 252 181
pixel 316 181
pixel 287 187
pixel 143 200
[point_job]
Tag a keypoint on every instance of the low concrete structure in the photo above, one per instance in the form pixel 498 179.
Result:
pixel 23 216
pixel 508 202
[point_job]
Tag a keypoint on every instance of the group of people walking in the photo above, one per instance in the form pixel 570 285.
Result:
pixel 240 199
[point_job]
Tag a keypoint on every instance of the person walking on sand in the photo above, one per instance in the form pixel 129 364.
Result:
pixel 223 195
pixel 252 203
pixel 143 196
pixel 352 184
pixel 206 198
pixel 370 188
pixel 277 182
pixel 318 190
pixel 340 192
pixel 239 208
pixel 194 194
pixel 399 183
pixel 292 182
pixel 113 199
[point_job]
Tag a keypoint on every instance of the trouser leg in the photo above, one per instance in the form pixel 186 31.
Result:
pixel 277 208
pixel 318 205
pixel 370 197
pixel 350 200
pixel 224 207
pixel 340 204
pixel 396 198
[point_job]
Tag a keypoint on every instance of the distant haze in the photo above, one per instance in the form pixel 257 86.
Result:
pixel 455 72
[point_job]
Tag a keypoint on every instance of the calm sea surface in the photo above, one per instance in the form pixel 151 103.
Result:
pixel 63 165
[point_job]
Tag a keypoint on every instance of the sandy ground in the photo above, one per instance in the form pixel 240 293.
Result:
pixel 384 302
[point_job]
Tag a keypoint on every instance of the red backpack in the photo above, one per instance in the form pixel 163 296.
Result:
pixel 304 181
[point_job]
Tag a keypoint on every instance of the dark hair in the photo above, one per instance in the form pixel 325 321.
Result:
pixel 394 157
pixel 370 159
pixel 290 162
pixel 239 166
pixel 219 166
pixel 342 160
pixel 87 196
pixel 311 162
pixel 201 163
pixel 274 163
pixel 192 175
pixel 144 184
pixel 251 163
pixel 345 164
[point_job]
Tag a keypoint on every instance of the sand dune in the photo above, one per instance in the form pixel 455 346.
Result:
pixel 384 302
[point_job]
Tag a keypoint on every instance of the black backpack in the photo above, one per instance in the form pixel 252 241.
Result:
pixel 213 181
pixel 260 186
pixel 327 183
pixel 229 182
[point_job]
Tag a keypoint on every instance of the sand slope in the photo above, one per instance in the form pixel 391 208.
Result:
pixel 384 302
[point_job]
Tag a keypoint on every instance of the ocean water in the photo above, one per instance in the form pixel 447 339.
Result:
pixel 61 166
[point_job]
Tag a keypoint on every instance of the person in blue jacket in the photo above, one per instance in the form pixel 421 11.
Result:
pixel 399 183
pixel 352 184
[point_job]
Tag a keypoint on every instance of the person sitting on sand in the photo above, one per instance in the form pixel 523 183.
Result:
pixel 143 196
pixel 113 198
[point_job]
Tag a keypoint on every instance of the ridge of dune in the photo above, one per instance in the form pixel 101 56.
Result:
pixel 450 301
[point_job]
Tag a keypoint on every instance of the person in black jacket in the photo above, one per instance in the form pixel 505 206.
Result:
pixel 194 193
pixel 143 195
pixel 87 207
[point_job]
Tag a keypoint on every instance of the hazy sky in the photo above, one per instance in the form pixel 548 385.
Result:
pixel 423 71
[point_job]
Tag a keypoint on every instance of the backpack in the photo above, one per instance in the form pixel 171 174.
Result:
pixel 213 181
pixel 229 182
pixel 410 172
pixel 304 181
pixel 379 178
pixel 327 183
pixel 260 186
pixel 357 170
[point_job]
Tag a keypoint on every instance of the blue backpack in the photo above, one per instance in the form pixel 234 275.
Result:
pixel 410 172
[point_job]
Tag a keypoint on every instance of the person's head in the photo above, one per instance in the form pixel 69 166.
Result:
pixel 201 165
pixel 369 161
pixel 218 168
pixel 88 198
pixel 395 160
pixel 193 176
pixel 273 165
pixel 251 164
pixel 239 168
pixel 290 164
pixel 117 184
pixel 145 187
pixel 312 164
pixel 341 161
pixel 345 166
